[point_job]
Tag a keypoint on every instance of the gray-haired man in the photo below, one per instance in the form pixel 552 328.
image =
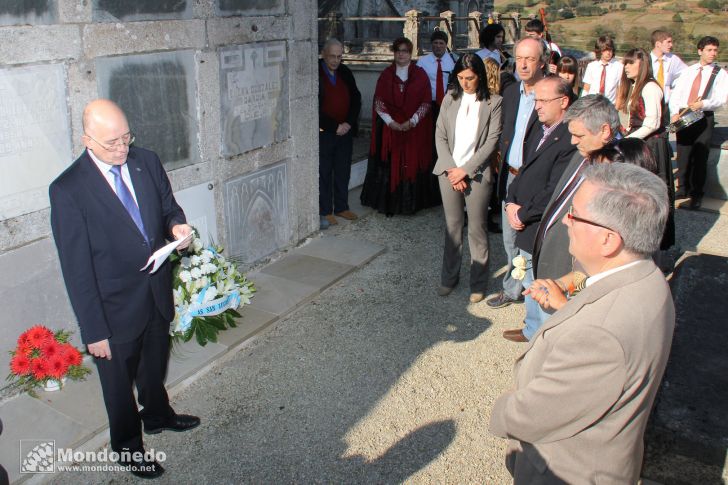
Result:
pixel 593 123
pixel 586 385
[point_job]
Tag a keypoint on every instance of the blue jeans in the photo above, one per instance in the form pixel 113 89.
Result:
pixel 535 315
pixel 511 287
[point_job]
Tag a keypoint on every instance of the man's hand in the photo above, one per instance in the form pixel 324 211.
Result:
pixel 674 118
pixel 100 349
pixel 181 231
pixel 343 129
pixel 553 68
pixel 456 175
pixel 696 105
pixel 547 293
pixel 513 219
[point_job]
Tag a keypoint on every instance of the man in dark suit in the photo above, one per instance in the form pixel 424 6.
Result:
pixel 110 210
pixel 548 152
pixel 519 119
pixel 593 122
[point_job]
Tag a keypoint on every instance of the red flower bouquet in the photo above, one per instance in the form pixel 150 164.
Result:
pixel 42 356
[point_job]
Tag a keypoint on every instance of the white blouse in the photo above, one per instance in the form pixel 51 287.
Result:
pixel 652 95
pixel 466 129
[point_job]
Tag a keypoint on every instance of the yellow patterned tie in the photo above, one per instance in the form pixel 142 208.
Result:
pixel 661 74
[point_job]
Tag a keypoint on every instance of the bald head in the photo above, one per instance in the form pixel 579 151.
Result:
pixel 105 126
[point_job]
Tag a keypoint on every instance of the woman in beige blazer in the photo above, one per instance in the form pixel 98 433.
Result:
pixel 466 136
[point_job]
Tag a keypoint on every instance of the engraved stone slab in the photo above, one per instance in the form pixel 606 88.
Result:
pixel 131 10
pixel 198 203
pixel 35 138
pixel 157 93
pixel 22 12
pixel 249 7
pixel 253 96
pixel 256 212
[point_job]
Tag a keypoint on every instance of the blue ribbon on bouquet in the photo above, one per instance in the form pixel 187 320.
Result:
pixel 211 308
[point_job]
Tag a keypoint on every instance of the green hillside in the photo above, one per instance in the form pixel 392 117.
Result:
pixel 576 23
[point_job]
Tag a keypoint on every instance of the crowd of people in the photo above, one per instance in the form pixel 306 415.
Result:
pixel 580 170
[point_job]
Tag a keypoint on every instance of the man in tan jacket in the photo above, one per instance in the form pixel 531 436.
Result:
pixel 585 386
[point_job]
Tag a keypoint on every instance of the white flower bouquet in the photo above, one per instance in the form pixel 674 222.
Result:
pixel 520 266
pixel 208 290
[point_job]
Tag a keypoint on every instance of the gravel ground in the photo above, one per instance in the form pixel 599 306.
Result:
pixel 378 380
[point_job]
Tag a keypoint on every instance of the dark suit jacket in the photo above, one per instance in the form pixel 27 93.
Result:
pixel 533 186
pixel 551 257
pixel 511 99
pixel 329 124
pixel 101 249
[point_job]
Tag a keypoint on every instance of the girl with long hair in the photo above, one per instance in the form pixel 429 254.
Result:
pixel 640 98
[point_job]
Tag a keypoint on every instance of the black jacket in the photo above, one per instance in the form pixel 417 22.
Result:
pixel 535 183
pixel 511 99
pixel 101 250
pixel 329 124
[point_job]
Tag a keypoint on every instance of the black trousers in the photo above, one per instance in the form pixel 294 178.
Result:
pixel 693 148
pixel 334 172
pixel 141 362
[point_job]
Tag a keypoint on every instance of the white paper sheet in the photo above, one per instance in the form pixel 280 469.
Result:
pixel 161 254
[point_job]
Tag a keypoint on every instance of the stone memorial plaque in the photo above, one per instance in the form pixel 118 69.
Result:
pixel 256 213
pixel 198 202
pixel 35 136
pixel 157 93
pixel 253 96
pixel 22 12
pixel 131 10
pixel 249 7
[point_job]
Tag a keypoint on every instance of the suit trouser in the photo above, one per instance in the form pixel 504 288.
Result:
pixel 142 361
pixel 693 148
pixel 334 171
pixel 475 201
pixel 511 287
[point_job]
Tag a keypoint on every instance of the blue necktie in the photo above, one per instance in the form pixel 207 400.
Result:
pixel 122 191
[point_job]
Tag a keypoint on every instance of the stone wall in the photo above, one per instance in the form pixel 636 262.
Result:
pixel 224 91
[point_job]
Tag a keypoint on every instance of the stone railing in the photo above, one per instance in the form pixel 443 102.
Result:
pixel 371 36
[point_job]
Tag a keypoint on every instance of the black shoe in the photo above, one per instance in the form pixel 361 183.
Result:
pixel 143 468
pixel 178 422
pixel 695 203
pixel 681 194
pixel 501 300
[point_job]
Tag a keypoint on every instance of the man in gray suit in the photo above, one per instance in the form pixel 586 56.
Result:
pixel 593 123
pixel 585 386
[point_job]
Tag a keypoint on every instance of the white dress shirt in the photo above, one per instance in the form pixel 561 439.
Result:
pixel 105 170
pixel 429 64
pixel 681 92
pixel 599 276
pixel 672 66
pixel 495 55
pixel 652 96
pixel 593 75
pixel 466 129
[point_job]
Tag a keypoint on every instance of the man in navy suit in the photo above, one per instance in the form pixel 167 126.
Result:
pixel 110 210
pixel 547 154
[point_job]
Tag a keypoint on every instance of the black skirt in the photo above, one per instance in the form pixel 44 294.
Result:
pixel 660 150
pixel 408 196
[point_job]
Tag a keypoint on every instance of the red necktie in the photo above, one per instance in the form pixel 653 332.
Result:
pixel 695 88
pixel 603 79
pixel 439 84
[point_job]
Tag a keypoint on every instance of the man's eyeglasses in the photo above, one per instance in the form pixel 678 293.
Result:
pixel 114 145
pixel 544 101
pixel 572 217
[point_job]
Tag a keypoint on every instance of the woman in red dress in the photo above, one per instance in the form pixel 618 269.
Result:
pixel 399 178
